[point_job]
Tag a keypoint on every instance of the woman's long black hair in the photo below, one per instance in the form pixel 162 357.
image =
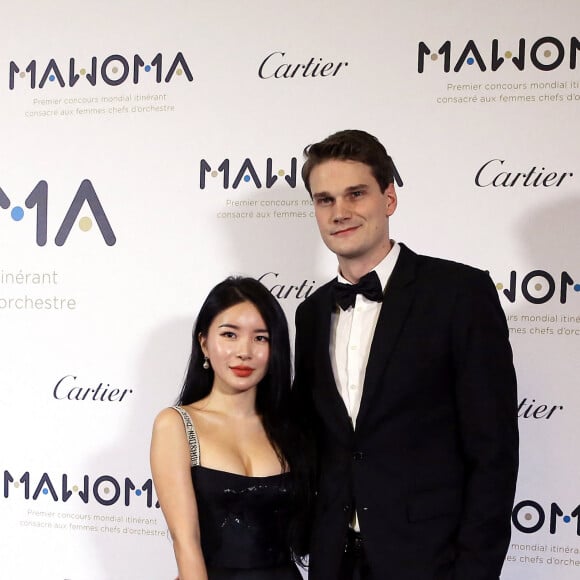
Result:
pixel 273 392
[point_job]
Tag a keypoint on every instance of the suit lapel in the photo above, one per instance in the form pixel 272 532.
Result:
pixel 333 402
pixel 399 296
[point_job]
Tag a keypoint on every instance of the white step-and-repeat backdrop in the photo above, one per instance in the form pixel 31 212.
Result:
pixel 149 149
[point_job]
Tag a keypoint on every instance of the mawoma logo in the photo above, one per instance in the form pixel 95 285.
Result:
pixel 546 53
pixel 103 489
pixel 529 517
pixel 261 172
pixel 538 287
pixel 37 202
pixel 112 70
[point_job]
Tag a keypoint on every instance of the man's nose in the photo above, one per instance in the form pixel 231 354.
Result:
pixel 341 210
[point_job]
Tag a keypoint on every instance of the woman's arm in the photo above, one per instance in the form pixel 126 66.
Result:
pixel 171 470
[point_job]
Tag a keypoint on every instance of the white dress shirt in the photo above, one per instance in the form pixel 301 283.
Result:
pixel 351 334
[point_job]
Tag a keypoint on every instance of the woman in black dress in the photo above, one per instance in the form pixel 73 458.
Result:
pixel 229 466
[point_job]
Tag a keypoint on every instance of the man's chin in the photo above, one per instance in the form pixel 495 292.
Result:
pixel 343 253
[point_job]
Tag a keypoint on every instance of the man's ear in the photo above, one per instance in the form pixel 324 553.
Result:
pixel 390 199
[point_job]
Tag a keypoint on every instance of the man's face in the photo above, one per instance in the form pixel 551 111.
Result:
pixel 352 212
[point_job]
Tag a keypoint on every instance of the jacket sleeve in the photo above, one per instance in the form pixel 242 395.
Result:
pixel 487 407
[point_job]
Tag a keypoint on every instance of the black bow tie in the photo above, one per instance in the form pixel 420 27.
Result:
pixel 369 286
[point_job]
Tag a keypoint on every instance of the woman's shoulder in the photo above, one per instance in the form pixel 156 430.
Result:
pixel 169 420
pixel 170 440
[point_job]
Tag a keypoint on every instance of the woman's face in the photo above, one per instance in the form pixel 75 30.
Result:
pixel 237 345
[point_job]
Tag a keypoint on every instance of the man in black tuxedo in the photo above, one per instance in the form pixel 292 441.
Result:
pixel 404 371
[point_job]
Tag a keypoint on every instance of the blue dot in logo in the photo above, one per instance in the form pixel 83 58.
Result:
pixel 147 67
pixel 17 213
pixel 577 287
pixel 470 60
pixel 137 492
pixel 51 78
pixel 45 491
pixel 567 519
pixel 246 178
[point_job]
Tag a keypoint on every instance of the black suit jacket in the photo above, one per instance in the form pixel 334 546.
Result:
pixel 431 466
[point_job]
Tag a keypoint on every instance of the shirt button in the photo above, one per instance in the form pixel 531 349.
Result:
pixel 346 508
pixel 353 387
pixel 353 347
pixel 357 455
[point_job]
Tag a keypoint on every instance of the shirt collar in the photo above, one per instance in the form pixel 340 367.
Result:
pixel 384 268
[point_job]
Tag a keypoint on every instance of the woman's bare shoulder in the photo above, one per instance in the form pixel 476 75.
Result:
pixel 168 420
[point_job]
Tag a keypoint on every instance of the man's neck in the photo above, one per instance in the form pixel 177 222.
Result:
pixel 354 269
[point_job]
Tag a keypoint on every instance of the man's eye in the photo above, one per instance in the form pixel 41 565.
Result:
pixel 323 200
pixel 357 193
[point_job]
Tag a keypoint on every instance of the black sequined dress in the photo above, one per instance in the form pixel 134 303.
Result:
pixel 243 521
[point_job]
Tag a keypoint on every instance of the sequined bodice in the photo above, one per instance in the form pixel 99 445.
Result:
pixel 243 520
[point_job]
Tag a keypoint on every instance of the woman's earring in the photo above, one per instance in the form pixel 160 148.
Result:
pixel 205 363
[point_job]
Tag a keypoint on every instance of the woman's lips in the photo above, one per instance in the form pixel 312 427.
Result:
pixel 242 371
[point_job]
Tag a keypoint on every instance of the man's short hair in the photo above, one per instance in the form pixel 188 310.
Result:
pixel 351 145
